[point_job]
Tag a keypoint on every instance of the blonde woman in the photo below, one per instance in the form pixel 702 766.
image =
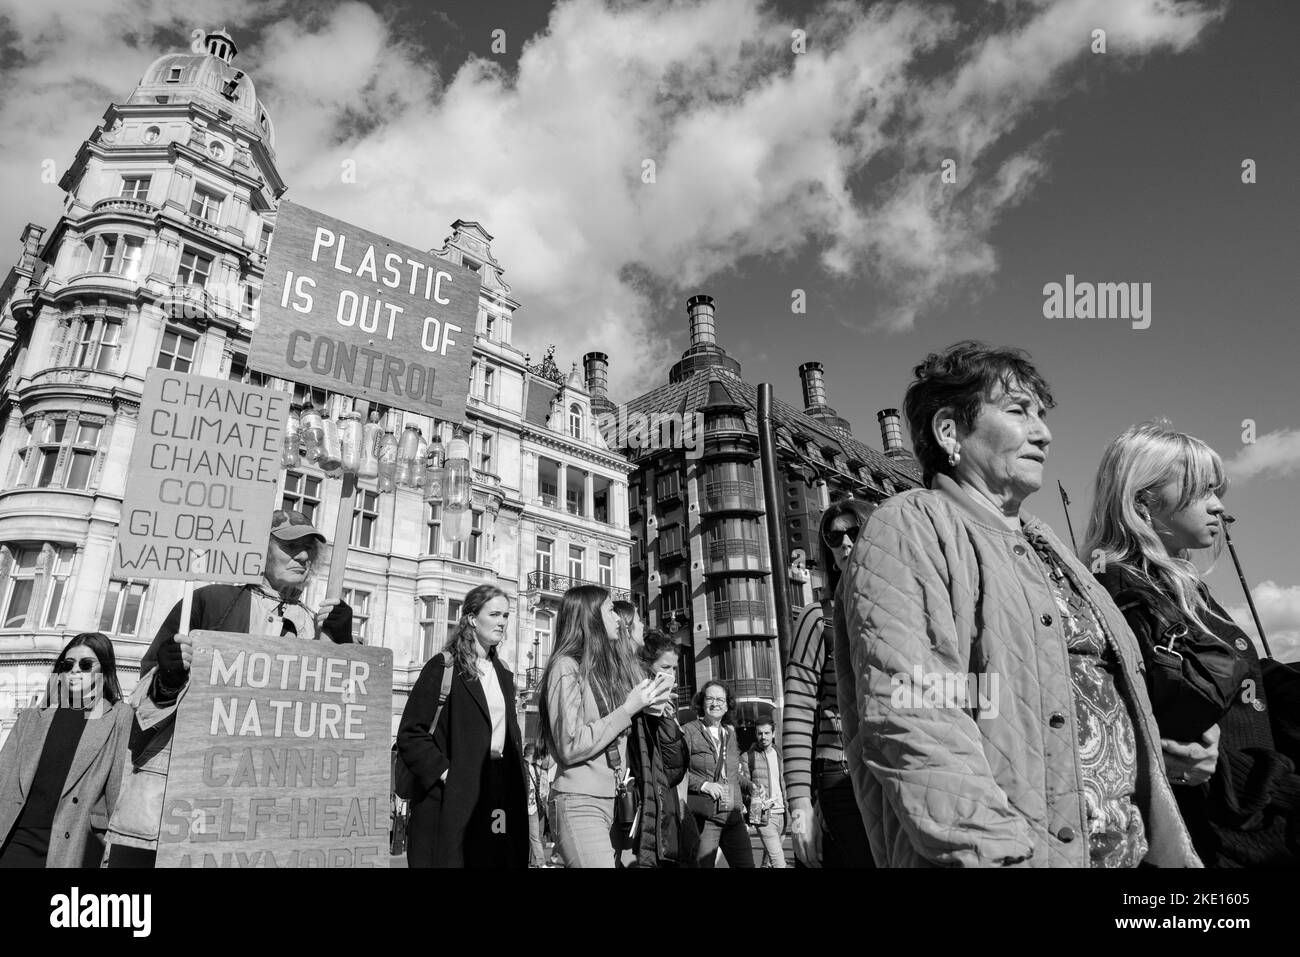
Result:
pixel 1158 500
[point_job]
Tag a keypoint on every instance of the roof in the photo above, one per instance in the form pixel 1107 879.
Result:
pixel 709 387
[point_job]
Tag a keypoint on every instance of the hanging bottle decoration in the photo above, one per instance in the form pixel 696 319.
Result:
pixel 350 440
pixel 311 430
pixel 417 464
pixel 331 450
pixel 368 462
pixel 433 471
pixel 456 517
pixel 289 455
pixel 387 462
pixel 407 449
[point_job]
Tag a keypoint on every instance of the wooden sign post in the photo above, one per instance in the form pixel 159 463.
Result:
pixel 280 756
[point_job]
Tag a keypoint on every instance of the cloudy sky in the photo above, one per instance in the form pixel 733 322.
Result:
pixel 809 162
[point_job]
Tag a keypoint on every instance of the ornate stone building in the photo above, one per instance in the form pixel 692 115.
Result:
pixel 158 261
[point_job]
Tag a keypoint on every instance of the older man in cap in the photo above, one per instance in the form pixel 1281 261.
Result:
pixel 271 608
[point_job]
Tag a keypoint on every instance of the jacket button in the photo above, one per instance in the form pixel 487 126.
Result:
pixel 1046 619
pixel 67 834
pixel 1019 549
pixel 74 800
pixel 1065 835
pixel 1057 720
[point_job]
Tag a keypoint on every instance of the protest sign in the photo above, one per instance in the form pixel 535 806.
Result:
pixel 202 479
pixel 280 756
pixel 352 312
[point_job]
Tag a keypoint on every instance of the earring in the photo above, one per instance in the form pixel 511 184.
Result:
pixel 954 456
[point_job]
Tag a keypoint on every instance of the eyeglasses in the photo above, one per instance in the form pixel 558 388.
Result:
pixel 835 536
pixel 66 664
pixel 721 701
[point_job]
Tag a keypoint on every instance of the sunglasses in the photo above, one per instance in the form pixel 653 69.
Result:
pixel 66 664
pixel 835 536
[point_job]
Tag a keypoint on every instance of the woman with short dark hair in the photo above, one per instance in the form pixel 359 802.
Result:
pixel 464 751
pixel 824 819
pixel 61 766
pixel 714 790
pixel 989 685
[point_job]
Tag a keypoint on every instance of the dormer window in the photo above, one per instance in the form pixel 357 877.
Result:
pixel 575 421
pixel 174 74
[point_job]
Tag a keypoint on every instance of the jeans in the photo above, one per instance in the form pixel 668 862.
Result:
pixel 732 837
pixel 770 834
pixel 536 849
pixel 582 829
pixel 844 836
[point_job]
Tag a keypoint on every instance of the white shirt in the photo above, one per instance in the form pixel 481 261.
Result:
pixel 496 701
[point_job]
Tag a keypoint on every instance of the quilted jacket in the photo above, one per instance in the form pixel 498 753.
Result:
pixel 936 584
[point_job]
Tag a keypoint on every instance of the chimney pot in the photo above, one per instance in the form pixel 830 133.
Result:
pixel 595 366
pixel 891 432
pixel 703 325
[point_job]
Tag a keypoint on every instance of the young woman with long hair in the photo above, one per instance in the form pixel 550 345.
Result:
pixel 469 766
pixel 591 690
pixel 1157 501
pixel 825 822
pixel 61 767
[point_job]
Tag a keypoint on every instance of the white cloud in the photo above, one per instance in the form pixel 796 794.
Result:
pixel 1274 452
pixel 1279 613
pixel 757 150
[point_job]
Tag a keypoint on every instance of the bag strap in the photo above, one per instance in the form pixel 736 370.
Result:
pixel 751 765
pixel 448 672
pixel 611 750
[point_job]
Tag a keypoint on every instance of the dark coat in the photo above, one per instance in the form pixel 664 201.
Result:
pixel 441 811
pixel 1248 813
pixel 703 759
pixel 658 759
pixel 227 608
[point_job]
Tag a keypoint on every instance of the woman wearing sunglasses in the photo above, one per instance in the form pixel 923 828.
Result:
pixel 824 817
pixel 61 767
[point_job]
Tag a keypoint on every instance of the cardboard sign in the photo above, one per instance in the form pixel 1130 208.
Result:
pixel 352 312
pixel 280 756
pixel 201 483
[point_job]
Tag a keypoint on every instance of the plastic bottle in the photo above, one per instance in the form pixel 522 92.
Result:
pixel 331 449
pixel 311 429
pixel 368 463
pixel 434 471
pixel 456 517
pixel 387 462
pixel 289 455
pixel 407 449
pixel 350 432
pixel 417 465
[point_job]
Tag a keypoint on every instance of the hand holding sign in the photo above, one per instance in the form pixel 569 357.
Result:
pixel 323 612
pixel 174 658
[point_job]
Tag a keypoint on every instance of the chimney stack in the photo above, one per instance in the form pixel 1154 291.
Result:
pixel 814 386
pixel 595 367
pixel 891 433
pixel 703 328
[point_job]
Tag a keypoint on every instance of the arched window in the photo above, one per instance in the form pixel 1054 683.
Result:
pixel 575 420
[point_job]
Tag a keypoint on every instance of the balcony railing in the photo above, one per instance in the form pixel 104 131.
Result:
pixel 733 549
pixel 752 687
pixel 124 204
pixel 553 584
pixel 203 225
pixel 741 496
pixel 727 610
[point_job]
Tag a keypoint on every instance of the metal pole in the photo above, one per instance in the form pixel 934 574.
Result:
pixel 775 540
pixel 1065 503
pixel 1232 549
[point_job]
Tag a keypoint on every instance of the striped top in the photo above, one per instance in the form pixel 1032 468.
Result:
pixel 811 727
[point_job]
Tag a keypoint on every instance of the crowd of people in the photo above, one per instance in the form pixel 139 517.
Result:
pixel 1089 709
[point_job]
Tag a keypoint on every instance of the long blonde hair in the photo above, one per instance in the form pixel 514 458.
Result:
pixel 1135 466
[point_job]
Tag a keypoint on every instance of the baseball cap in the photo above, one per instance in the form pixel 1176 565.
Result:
pixel 289 526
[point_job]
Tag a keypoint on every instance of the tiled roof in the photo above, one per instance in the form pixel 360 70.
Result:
pixel 693 394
